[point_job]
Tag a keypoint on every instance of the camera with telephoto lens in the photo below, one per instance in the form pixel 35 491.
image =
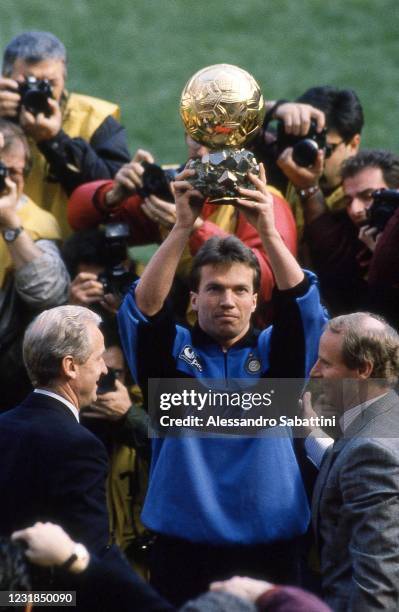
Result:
pixel 4 172
pixel 34 95
pixel 116 278
pixel 156 181
pixel 304 149
pixel 385 202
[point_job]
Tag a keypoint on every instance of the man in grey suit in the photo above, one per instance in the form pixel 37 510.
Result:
pixel 356 496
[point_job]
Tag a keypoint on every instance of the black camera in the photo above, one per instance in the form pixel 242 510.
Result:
pixel 106 382
pixel 304 149
pixel 156 181
pixel 385 202
pixel 4 172
pixel 116 278
pixel 34 95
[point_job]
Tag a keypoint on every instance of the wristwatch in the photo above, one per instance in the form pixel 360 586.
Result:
pixel 11 234
pixel 308 192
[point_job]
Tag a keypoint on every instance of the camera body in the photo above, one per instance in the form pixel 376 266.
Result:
pixel 156 181
pixel 116 278
pixel 385 202
pixel 4 172
pixel 106 382
pixel 34 95
pixel 304 149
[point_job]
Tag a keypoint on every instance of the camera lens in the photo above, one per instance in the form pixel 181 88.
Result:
pixel 305 152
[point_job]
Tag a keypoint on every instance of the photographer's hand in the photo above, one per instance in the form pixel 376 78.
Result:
pixel 300 177
pixel 369 236
pixel 128 178
pixel 160 211
pixel 297 117
pixel 85 289
pixel 39 127
pixel 164 213
pixel 111 302
pixel 23 249
pixel 111 406
pixel 306 182
pixel 8 206
pixel 9 97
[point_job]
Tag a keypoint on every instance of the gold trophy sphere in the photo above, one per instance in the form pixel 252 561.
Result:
pixel 222 107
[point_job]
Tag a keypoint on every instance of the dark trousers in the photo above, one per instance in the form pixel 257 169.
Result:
pixel 181 570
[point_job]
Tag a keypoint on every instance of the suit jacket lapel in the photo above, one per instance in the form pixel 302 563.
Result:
pixel 328 461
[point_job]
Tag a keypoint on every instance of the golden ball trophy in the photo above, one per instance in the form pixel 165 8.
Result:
pixel 222 108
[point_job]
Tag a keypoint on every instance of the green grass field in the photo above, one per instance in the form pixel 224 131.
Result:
pixel 140 53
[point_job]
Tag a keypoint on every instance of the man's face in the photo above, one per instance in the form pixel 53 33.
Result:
pixel 88 373
pixel 14 159
pixel 225 301
pixel 358 193
pixel 340 151
pixel 329 363
pixel 336 379
pixel 53 70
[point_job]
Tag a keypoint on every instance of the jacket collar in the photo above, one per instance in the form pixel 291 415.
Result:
pixel 38 401
pixel 201 338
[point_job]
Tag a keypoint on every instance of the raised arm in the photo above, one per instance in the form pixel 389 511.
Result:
pixel 156 281
pixel 258 209
pixel 306 183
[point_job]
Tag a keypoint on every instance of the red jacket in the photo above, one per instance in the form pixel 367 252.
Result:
pixel 86 209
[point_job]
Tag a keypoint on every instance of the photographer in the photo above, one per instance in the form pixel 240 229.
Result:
pixel 75 138
pixel 32 274
pixel 342 243
pixel 98 263
pixel 151 218
pixel 344 122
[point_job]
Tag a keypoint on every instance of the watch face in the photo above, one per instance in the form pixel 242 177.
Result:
pixel 11 234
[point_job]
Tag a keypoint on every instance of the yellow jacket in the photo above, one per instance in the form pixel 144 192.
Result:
pixel 39 224
pixel 82 115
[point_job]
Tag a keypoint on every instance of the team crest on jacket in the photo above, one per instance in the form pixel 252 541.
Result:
pixel 253 364
pixel 189 356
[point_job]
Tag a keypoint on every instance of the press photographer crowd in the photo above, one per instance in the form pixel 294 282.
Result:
pixel 276 258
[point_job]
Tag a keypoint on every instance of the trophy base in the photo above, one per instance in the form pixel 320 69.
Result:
pixel 219 173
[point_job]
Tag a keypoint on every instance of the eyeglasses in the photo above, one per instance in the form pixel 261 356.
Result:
pixel 331 146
